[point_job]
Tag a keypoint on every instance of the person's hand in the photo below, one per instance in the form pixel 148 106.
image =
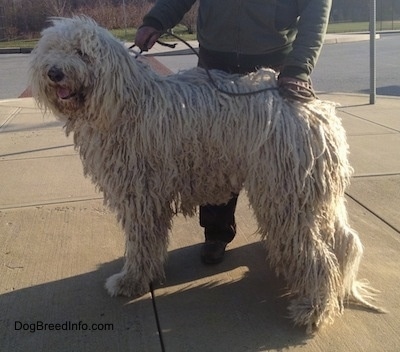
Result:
pixel 146 37
pixel 296 89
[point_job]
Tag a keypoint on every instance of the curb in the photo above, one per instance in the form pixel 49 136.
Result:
pixel 347 38
pixel 15 50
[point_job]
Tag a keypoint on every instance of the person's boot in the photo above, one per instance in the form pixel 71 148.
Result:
pixel 213 252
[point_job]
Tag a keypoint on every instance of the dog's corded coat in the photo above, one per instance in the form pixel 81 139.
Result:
pixel 156 145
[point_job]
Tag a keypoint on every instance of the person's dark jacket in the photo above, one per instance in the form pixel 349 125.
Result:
pixel 287 33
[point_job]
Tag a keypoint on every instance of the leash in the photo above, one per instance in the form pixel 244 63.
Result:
pixel 212 81
pixel 160 334
pixel 300 91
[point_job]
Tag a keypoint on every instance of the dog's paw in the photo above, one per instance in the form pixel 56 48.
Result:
pixel 312 315
pixel 122 285
pixel 303 313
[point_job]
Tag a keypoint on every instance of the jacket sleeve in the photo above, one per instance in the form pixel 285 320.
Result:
pixel 311 29
pixel 166 14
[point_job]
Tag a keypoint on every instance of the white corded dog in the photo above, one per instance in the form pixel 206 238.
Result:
pixel 155 145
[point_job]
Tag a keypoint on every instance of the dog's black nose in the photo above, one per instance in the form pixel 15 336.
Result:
pixel 55 74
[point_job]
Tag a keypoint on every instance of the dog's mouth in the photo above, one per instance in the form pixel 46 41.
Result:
pixel 58 80
pixel 65 93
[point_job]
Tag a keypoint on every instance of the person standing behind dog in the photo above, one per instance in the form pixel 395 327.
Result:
pixel 239 36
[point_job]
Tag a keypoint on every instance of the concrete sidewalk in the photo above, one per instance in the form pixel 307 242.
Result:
pixel 59 244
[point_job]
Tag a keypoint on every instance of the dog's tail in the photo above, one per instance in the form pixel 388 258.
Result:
pixel 361 293
pixel 349 251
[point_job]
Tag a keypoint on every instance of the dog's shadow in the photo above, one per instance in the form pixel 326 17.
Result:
pixel 235 306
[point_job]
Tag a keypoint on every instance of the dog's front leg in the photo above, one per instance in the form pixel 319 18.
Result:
pixel 145 252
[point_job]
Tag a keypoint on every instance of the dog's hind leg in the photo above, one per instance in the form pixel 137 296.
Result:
pixel 297 251
pixel 315 281
pixel 145 251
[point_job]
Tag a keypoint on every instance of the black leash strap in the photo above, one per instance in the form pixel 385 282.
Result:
pixel 215 85
pixel 235 94
pixel 172 46
pixel 300 92
pixel 160 334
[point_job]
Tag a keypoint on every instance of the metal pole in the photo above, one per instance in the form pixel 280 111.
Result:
pixel 392 13
pixel 124 9
pixel 372 55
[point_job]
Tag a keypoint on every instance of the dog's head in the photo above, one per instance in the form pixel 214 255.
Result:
pixel 68 67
